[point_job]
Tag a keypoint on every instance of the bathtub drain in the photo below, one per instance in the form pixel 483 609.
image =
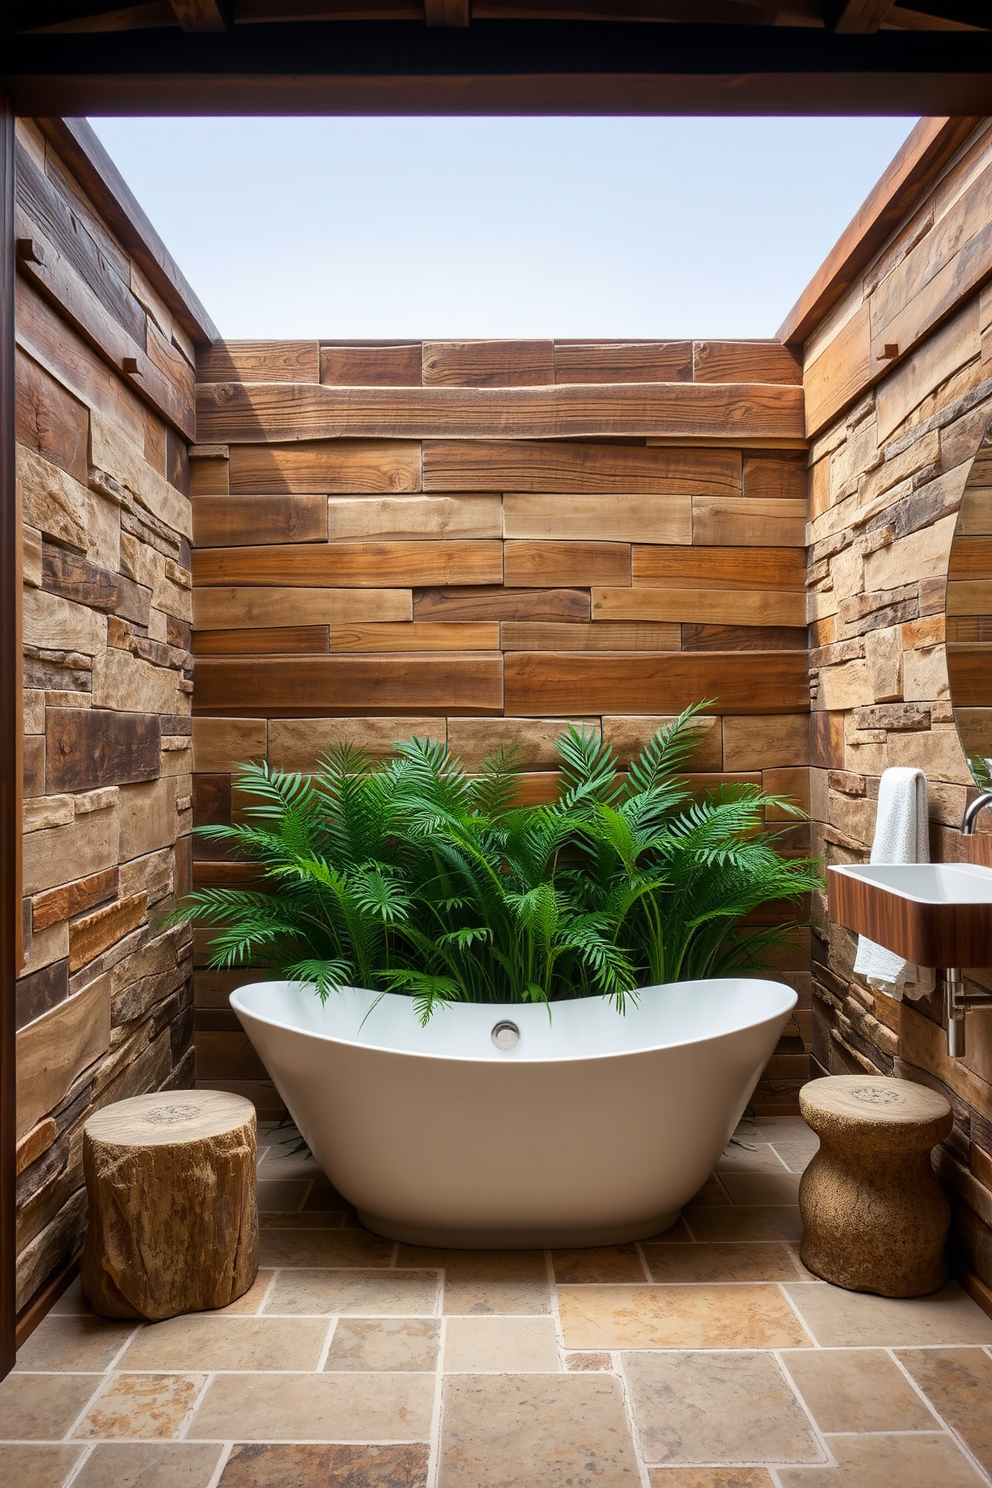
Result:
pixel 505 1035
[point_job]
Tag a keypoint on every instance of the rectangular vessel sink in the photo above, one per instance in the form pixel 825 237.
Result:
pixel 935 914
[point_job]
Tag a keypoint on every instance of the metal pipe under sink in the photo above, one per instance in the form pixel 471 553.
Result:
pixel 956 1000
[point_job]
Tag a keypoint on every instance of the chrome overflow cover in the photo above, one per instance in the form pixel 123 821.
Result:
pixel 505 1035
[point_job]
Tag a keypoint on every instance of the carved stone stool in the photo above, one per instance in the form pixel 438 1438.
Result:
pixel 875 1218
pixel 173 1221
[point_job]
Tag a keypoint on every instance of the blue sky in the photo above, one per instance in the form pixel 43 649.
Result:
pixel 384 228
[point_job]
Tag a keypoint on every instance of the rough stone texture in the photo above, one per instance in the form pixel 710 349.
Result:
pixel 173 1216
pixel 103 519
pixel 875 1218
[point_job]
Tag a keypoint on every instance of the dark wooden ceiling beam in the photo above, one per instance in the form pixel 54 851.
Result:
pixel 862 15
pixel 202 15
pixel 447 12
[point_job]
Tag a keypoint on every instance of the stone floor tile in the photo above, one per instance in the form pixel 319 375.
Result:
pixel 712 1192
pixel 72 1300
pixel 269 1466
pixel 324 1195
pixel 588 1361
pixel 758 1157
pixel 384 1343
pixel 959 1383
pixel 797 1155
pixel 535 1431
pixel 676 1234
pixel 37 1466
pixel 82 1343
pixel 315 1407
pixel 149 1465
pixel 272 1163
pixel 202 1341
pixel 362 1293
pixel 915 1461
pixel 762 1188
pixel 42 1407
pixel 857 1390
pixel 716 1407
pixel 500 1345
pixel 678 1317
pixel 310 1219
pixel 709 1477
pixel 727 1260
pixel 142 1405
pixel 745 1222
pixel 282 1195
pixel 601 1263
pixel 840 1319
pixel 486 1281
pixel 249 1302
pixel 323 1247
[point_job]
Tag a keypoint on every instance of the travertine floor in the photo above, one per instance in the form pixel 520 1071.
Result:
pixel 706 1358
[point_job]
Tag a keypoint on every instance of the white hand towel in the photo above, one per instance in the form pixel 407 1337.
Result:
pixel 901 836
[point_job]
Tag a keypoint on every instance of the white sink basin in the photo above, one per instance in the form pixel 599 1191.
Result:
pixel 927 883
pixel 936 914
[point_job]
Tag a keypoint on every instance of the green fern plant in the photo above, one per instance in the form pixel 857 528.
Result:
pixel 414 876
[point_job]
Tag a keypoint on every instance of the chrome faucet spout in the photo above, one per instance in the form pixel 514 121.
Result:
pixel 972 811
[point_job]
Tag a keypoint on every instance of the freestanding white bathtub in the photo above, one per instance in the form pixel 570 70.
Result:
pixel 590 1128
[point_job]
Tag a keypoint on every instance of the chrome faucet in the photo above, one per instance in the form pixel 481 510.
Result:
pixel 956 1000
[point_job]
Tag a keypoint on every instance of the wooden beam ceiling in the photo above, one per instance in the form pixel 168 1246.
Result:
pixel 447 12
pixel 201 15
pixel 862 15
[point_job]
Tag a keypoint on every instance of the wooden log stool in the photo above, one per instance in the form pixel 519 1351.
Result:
pixel 173 1223
pixel 875 1218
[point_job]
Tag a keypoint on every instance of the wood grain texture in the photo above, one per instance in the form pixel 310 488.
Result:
pixel 696 637
pixel 536 635
pixel 400 517
pixel 258 361
pixel 496 603
pixel 563 564
pixel 704 606
pixel 352 565
pixel 266 413
pixel 496 364
pixel 623 361
pixel 552 683
pixel 325 467
pixel 396 365
pixel 969 669
pixel 229 521
pixel 753 524
pixel 594 469
pixel 87 748
pixel 662 519
pixel 276 641
pixel 416 636
pixel 719 567
pixel 235 608
pixel 769 477
pixel 357 685
pixel 929 935
pixel 745 361
pixel 839 373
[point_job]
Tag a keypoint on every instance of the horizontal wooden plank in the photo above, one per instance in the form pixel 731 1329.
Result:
pixel 623 361
pixel 970 558
pixel 209 477
pixel 260 413
pixel 561 564
pixel 753 524
pixel 704 606
pixel 416 636
pixel 325 467
pixel 530 465
pixel 281 640
pixel 299 743
pixel 57 280
pixel 352 565
pixel 228 521
pixel 735 637
pixel 396 365
pixel 231 608
pixel 770 476
pixel 485 602
pixel 617 518
pixel 400 517
pixel 969 597
pixel 969 670
pixel 552 683
pixel 258 361
pixel 745 361
pixel 367 684
pixel 840 372
pixel 718 567
pixel 537 635
pixel 88 748
pixel 495 364
pixel 533 740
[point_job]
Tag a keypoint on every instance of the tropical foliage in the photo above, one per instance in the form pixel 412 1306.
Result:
pixel 414 876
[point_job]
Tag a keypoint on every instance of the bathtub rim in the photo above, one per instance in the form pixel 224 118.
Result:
pixel 507 1010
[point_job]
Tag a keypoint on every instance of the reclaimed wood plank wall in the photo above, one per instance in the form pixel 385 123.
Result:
pixel 899 397
pixel 104 411
pixel 481 541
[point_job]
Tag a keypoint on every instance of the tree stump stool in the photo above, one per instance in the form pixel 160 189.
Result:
pixel 173 1224
pixel 875 1218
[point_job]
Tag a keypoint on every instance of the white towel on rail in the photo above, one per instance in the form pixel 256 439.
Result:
pixel 901 836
